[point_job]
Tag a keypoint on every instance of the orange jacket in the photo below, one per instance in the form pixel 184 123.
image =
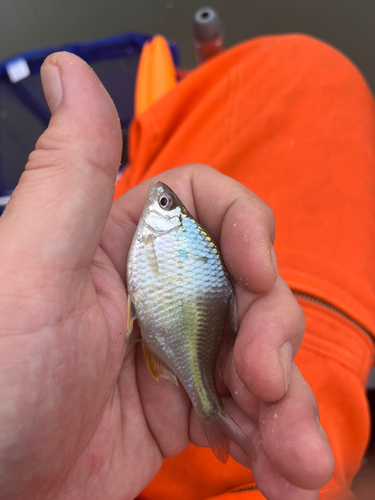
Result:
pixel 293 120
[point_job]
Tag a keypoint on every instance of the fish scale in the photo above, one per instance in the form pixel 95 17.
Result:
pixel 182 297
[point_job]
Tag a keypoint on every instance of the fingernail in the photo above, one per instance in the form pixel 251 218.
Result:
pixel 273 257
pixel 286 359
pixel 52 86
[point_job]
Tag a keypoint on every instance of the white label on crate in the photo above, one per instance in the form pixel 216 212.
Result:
pixel 17 70
pixel 4 200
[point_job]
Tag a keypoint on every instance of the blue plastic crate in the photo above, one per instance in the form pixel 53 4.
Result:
pixel 24 113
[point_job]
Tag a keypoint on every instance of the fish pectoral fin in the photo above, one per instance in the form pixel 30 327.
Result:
pixel 156 367
pixel 135 341
pixel 130 319
pixel 229 335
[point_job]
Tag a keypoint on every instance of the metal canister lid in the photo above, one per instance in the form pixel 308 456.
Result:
pixel 207 25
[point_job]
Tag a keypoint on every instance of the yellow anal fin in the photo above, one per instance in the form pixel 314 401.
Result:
pixel 156 367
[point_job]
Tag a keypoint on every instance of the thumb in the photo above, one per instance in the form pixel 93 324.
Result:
pixel 58 210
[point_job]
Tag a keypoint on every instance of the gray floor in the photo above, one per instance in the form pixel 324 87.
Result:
pixel 346 24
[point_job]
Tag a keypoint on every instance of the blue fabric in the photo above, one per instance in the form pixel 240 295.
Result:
pixel 24 113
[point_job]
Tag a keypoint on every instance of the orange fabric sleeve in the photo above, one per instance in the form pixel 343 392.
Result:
pixel 293 120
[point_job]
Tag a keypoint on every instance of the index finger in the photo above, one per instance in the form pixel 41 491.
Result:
pixel 238 221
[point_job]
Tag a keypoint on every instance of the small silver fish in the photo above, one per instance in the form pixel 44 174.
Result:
pixel 180 292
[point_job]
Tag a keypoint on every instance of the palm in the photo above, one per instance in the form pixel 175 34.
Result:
pixel 103 427
pixel 101 424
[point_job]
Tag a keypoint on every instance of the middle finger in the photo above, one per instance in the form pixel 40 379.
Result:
pixel 271 331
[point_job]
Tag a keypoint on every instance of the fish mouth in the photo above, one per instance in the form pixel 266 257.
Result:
pixel 152 196
pixel 154 191
pixel 158 187
pixel 151 189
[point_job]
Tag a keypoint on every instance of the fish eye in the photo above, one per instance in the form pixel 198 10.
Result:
pixel 166 201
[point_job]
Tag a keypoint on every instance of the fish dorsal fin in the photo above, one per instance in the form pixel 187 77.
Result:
pixel 156 367
pixel 229 334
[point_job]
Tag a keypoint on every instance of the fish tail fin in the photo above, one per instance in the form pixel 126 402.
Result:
pixel 220 430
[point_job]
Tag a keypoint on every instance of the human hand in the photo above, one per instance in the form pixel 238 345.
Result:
pixel 80 416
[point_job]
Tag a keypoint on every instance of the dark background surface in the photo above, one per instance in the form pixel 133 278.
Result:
pixel 348 25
